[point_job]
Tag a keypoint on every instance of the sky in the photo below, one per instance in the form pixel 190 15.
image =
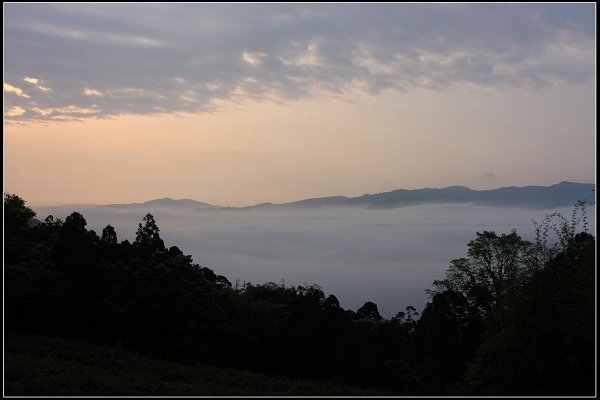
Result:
pixel 239 104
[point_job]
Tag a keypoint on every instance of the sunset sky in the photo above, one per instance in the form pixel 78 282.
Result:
pixel 238 104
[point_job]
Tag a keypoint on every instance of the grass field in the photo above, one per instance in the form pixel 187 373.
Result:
pixel 47 366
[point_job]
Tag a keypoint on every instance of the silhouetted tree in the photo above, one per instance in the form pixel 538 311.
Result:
pixel 445 338
pixel 408 319
pixel 109 235
pixel 492 271
pixel 74 227
pixel 147 237
pixel 16 214
pixel 50 221
pixel 74 241
pixel 222 281
pixel 548 348
pixel 369 311
pixel 331 302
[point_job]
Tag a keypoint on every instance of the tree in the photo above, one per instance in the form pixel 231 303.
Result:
pixel 16 214
pixel 369 311
pixel 446 336
pixel 408 319
pixel 562 229
pixel 108 245
pixel 75 244
pixel 109 235
pixel 73 234
pixel 49 221
pixel 74 227
pixel 548 350
pixel 331 303
pixel 147 237
pixel 491 273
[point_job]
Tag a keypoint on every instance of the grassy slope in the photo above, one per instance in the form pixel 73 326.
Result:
pixel 45 366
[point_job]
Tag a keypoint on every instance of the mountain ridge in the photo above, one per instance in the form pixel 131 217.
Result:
pixel 533 196
pixel 564 193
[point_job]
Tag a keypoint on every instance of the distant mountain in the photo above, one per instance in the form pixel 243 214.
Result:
pixel 168 202
pixel 563 194
pixel 165 202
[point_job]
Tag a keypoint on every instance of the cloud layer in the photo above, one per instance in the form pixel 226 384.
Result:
pixel 64 61
pixel 386 256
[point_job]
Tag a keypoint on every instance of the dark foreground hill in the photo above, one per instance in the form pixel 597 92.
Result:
pixel 45 366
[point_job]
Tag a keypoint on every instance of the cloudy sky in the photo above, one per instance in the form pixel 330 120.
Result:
pixel 237 104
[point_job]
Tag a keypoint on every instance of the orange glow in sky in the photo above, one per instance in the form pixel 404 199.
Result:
pixel 256 152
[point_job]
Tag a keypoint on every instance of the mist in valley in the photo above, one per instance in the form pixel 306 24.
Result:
pixel 388 256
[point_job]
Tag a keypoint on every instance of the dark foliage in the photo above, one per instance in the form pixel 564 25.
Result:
pixel 514 318
pixel 16 214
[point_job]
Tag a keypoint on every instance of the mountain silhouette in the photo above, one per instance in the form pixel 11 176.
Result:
pixel 164 202
pixel 563 194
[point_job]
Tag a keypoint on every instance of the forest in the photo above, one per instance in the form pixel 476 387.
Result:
pixel 511 318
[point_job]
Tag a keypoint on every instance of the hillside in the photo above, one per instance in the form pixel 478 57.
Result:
pixel 70 368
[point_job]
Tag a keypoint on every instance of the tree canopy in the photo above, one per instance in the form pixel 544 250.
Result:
pixel 16 214
pixel 147 236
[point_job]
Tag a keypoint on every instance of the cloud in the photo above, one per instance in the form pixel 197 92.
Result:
pixel 15 90
pixel 15 112
pixel 36 83
pixel 67 113
pixel 253 58
pixel 386 256
pixel 91 92
pixel 133 54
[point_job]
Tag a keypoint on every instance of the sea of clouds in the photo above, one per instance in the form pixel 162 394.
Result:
pixel 386 256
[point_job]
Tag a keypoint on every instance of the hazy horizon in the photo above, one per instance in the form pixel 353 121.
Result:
pixel 255 204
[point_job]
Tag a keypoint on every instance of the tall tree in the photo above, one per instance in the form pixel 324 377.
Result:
pixel 369 311
pixel 16 214
pixel 491 273
pixel 548 347
pixel 109 235
pixel 147 237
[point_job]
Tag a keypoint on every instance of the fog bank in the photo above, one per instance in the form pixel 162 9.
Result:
pixel 386 256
